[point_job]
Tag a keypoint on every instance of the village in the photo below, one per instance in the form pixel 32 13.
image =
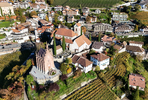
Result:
pixel 63 53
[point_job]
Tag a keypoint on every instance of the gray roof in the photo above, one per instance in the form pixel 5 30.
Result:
pixel 97 45
pixel 143 2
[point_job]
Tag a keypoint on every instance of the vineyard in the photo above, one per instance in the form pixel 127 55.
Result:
pixel 86 3
pixel 96 90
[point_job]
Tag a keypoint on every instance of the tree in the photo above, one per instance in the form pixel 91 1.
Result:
pixel 136 94
pixel 136 28
pixel 29 80
pixel 33 1
pixel 63 44
pixel 137 7
pixel 46 18
pixel 33 13
pixel 56 17
pixel 97 68
pixel 68 60
pixel 50 2
pixel 84 29
pixel 89 36
pixel 99 38
pixel 111 34
pixel 15 68
pixel 23 19
pixel 88 19
pixel 116 36
pixel 63 68
pixel 1 11
pixel 20 12
pixel 81 30
pixel 54 45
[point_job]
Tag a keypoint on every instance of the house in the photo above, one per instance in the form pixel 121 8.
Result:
pixel 136 80
pixel 34 6
pixel 97 46
pixel 100 59
pixel 66 8
pixel 50 19
pixel 136 43
pixel 43 29
pixel 143 4
pixel 45 70
pixel 51 13
pixel 135 50
pixel 6 8
pixel 23 5
pixel 44 22
pixel 42 15
pixel 59 49
pixel 43 7
pixel 81 21
pixel 77 28
pixel 123 28
pixel 38 40
pixel 70 19
pixel 61 18
pixel 107 40
pixel 85 11
pixel 93 19
pixel 81 43
pixel 58 8
pixel 40 2
pixel 144 29
pixel 73 42
pixel 71 12
pixel 82 63
pixel 119 48
pixel 102 27
pixel 97 11
pixel 119 17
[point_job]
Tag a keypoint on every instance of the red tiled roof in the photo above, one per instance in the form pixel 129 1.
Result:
pixel 137 80
pixel 65 32
pixel 136 42
pixel 107 38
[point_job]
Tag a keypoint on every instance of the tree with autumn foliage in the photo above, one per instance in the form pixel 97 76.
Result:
pixel 83 29
pixel 33 13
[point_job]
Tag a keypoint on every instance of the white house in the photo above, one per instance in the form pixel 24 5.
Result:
pixel 97 11
pixel 81 43
pixel 100 59
pixel 82 63
pixel 136 50
pixel 77 28
pixel 136 43
pixel 97 46
pixel 119 49
pixel 61 18
pixel 59 49
pixel 136 80
pixel 6 8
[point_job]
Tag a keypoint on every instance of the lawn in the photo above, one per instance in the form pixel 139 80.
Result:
pixel 5 23
pixel 86 3
pixel 142 16
pixel 2 36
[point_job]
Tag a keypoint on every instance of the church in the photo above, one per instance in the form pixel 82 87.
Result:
pixel 45 70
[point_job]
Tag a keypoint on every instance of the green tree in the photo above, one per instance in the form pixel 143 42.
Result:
pixel 137 7
pixel 136 94
pixel 63 68
pixel 136 28
pixel 20 12
pixel 56 17
pixel 1 11
pixel 23 19
pixel 97 68
pixel 54 45
pixel 81 30
pixel 116 36
pixel 50 2
pixel 68 60
pixel 63 44
pixel 33 1
pixel 89 36
pixel 29 80
pixel 99 38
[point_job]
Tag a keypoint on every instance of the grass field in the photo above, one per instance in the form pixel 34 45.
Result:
pixel 5 23
pixel 86 3
pixel 2 36
pixel 142 16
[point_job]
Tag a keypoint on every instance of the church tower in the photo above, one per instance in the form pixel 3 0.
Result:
pixel 77 28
